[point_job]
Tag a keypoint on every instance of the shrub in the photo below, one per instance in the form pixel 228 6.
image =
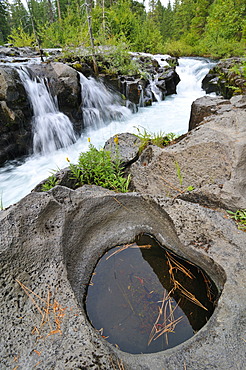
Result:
pixel 19 38
pixel 96 167
pixel 50 183
pixel 159 139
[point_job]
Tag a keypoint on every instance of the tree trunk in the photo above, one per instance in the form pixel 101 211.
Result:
pixel 88 14
pixel 58 9
pixel 51 15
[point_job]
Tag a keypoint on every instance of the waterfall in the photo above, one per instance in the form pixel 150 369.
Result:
pixel 156 92
pixel 51 129
pixel 191 72
pixel 169 115
pixel 100 106
pixel 141 97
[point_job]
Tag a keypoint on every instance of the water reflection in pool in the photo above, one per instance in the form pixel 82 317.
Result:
pixel 144 299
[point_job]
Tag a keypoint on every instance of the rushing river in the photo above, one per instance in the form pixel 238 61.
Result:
pixel 17 179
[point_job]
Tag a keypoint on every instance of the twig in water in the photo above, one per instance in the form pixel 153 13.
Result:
pixel 177 284
pixel 168 323
pixel 120 249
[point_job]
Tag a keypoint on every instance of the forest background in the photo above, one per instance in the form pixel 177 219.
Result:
pixel 213 28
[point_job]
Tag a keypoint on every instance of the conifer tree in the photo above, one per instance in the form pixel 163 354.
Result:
pixel 4 21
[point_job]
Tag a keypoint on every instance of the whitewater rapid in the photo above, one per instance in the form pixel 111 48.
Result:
pixel 17 179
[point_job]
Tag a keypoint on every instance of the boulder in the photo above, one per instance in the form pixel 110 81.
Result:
pixel 64 83
pixel 63 178
pixel 210 160
pixel 124 146
pixel 15 116
pixel 226 78
pixel 171 79
pixel 49 245
pixel 206 106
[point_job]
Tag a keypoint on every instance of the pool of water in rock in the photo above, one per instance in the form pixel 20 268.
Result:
pixel 144 299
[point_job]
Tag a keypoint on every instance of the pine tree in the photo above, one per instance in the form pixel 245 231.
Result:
pixel 226 20
pixel 167 22
pixel 4 21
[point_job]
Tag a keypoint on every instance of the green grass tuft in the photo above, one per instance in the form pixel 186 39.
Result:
pixel 240 217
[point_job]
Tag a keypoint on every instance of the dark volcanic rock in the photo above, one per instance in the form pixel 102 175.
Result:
pixel 224 80
pixel 63 178
pixel 64 83
pixel 15 116
pixel 49 245
pixel 204 107
pixel 132 87
pixel 126 147
pixel 171 79
pixel 16 111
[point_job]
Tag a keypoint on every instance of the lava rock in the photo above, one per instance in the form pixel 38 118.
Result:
pixel 49 245
pixel 171 79
pixel 64 83
pixel 223 80
pixel 15 116
pixel 124 146
pixel 204 107
pixel 207 166
pixel 63 178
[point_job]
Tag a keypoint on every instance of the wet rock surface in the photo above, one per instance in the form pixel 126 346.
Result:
pixel 15 116
pixel 166 80
pixel 16 110
pixel 226 78
pixel 63 83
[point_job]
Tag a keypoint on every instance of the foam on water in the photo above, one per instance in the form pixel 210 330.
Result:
pixel 170 115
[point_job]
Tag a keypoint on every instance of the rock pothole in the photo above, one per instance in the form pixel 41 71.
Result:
pixel 91 221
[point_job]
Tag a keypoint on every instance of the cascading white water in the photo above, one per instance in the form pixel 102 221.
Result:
pixel 100 106
pixel 51 129
pixel 141 97
pixel 170 115
pixel 155 90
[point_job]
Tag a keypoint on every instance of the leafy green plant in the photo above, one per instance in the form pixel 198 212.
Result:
pixel 159 139
pixel 117 60
pixel 240 68
pixel 50 183
pixel 240 217
pixel 96 167
pixel 190 188
pixel 20 38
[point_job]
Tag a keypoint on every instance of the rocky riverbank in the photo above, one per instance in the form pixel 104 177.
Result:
pixel 205 166
pixel 227 78
pixel 51 241
pixel 65 85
